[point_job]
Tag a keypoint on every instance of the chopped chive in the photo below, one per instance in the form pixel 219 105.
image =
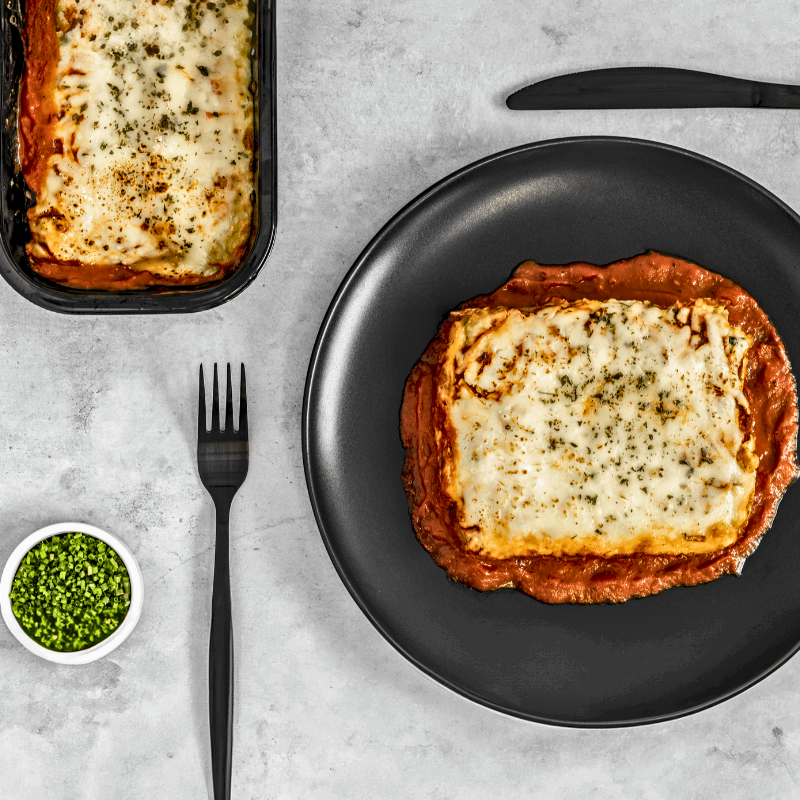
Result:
pixel 53 602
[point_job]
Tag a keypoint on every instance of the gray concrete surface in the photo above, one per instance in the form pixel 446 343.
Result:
pixel 377 100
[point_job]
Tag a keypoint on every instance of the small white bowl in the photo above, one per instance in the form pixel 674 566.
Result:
pixel 101 648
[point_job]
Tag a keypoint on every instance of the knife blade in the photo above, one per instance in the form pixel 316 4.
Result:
pixel 651 87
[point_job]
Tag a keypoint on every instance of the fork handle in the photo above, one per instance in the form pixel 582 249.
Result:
pixel 220 653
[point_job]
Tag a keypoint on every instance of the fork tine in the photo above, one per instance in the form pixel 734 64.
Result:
pixel 243 407
pixel 228 403
pixel 201 412
pixel 215 404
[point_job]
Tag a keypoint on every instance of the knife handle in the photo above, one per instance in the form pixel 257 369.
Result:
pixel 776 95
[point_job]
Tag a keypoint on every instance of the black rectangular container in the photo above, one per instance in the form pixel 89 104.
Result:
pixel 14 199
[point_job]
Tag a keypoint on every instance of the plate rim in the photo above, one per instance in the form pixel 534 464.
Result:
pixel 360 264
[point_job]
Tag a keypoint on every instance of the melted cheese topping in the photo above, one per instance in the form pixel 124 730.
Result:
pixel 597 428
pixel 156 133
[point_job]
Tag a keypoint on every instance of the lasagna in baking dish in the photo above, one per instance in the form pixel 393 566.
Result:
pixel 591 434
pixel 136 135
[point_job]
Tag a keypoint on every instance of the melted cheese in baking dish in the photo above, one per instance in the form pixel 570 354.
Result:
pixel 156 137
pixel 597 428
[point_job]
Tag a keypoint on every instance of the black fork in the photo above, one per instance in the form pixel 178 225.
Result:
pixel 222 457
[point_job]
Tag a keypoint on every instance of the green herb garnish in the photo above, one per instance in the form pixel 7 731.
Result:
pixel 70 592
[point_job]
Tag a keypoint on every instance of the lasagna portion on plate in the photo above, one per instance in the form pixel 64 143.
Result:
pixel 591 434
pixel 599 428
pixel 136 135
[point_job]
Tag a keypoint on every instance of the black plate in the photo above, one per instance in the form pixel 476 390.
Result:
pixel 16 198
pixel 588 199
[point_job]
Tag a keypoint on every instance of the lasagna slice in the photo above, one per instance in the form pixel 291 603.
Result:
pixel 136 134
pixel 602 428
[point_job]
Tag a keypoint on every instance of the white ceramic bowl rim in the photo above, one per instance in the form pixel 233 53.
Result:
pixel 101 648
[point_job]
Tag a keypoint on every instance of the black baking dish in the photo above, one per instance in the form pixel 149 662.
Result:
pixel 15 197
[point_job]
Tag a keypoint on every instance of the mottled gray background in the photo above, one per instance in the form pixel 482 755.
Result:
pixel 377 100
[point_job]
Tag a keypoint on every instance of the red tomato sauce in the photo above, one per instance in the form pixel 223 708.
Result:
pixel 37 107
pixel 662 280
pixel 81 276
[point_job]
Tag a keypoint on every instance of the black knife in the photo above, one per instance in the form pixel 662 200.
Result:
pixel 651 87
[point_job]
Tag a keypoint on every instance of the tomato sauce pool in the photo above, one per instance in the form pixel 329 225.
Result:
pixel 662 280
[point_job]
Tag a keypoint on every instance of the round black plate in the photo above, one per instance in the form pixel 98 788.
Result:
pixel 587 199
